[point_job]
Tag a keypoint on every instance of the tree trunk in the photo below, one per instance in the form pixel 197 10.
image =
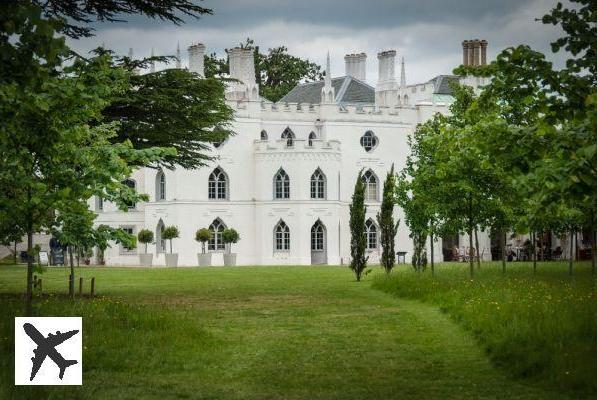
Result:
pixel 145 248
pixel 470 255
pixel 15 254
pixel 29 300
pixel 432 261
pixel 170 246
pixel 504 253
pixel 71 281
pixel 571 256
pixel 477 254
pixel 534 250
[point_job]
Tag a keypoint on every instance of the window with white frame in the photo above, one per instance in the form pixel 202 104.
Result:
pixel 216 228
pixel 369 141
pixel 99 203
pixel 160 242
pixel 318 236
pixel 281 237
pixel 318 183
pixel 281 185
pixel 371 232
pixel 160 186
pixel 218 185
pixel 370 181
pixel 128 250
pixel 288 134
pixel 263 135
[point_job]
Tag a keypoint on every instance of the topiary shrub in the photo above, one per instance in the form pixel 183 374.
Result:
pixel 169 233
pixel 230 236
pixel 203 236
pixel 145 236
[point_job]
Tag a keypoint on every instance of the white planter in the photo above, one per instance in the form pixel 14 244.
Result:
pixel 204 259
pixel 171 259
pixel 146 259
pixel 230 259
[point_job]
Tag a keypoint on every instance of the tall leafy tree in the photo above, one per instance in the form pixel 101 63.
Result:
pixel 385 218
pixel 358 236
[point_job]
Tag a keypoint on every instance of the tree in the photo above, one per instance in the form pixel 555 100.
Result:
pixel 80 14
pixel 385 218
pixel 169 233
pixel 56 151
pixel 203 236
pixel 145 236
pixel 170 108
pixel 276 72
pixel 230 236
pixel 358 236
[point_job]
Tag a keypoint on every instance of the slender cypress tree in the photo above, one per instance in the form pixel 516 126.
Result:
pixel 358 237
pixel 385 219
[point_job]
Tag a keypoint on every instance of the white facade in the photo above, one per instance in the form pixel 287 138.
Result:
pixel 299 139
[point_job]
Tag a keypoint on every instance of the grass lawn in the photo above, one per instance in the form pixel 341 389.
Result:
pixel 257 333
pixel 542 327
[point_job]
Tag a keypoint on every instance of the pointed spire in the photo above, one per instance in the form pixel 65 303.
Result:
pixel 328 73
pixel 327 92
pixel 402 75
pixel 152 65
pixel 178 63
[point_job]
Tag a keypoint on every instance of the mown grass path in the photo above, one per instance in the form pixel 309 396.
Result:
pixel 256 333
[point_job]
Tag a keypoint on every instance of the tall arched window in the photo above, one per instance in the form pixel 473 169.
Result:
pixel 371 232
pixel 216 228
pixel 217 188
pixel 281 237
pixel 369 141
pixel 318 183
pixel 263 135
pixel 133 185
pixel 288 134
pixel 312 136
pixel 160 243
pixel 281 185
pixel 370 180
pixel 160 186
pixel 318 236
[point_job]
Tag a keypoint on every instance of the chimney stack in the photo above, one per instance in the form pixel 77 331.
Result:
pixel 356 65
pixel 474 52
pixel 242 68
pixel 196 61
pixel 386 66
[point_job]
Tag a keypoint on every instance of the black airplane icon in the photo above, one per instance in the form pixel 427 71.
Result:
pixel 46 347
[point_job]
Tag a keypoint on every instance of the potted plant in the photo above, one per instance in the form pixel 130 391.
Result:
pixel 230 236
pixel 169 233
pixel 145 236
pixel 203 236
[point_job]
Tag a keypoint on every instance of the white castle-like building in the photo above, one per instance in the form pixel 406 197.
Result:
pixel 286 179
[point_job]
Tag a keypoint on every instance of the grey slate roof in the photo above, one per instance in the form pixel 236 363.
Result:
pixel 442 83
pixel 347 89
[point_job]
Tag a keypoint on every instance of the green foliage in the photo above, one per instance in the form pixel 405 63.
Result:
pixel 145 236
pixel 385 218
pixel 203 236
pixel 276 72
pixel 539 326
pixel 170 232
pixel 170 108
pixel 230 236
pixel 358 236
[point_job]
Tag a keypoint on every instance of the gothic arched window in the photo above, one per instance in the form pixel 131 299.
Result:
pixel 160 243
pixel 281 185
pixel 371 232
pixel 370 181
pixel 217 188
pixel 312 136
pixel 369 141
pixel 160 186
pixel 281 237
pixel 318 183
pixel 288 134
pixel 263 135
pixel 216 228
pixel 318 236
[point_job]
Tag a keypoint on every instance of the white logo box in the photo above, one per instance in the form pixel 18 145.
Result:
pixel 70 350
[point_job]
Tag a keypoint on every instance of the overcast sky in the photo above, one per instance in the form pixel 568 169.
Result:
pixel 427 33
